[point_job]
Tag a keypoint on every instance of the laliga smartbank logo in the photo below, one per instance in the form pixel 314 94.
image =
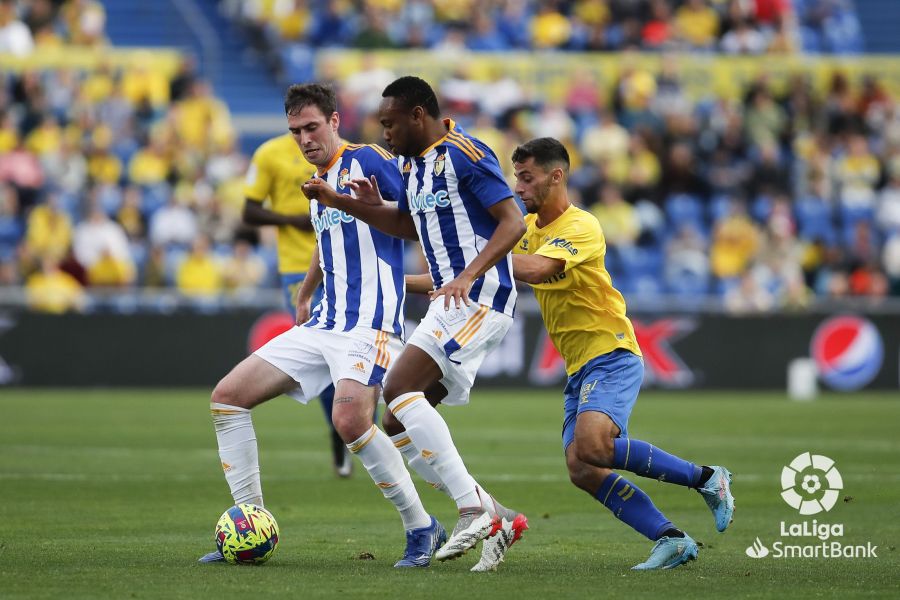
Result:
pixel 811 484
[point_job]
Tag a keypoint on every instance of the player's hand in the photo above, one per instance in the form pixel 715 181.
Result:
pixel 456 291
pixel 367 191
pixel 314 187
pixel 319 190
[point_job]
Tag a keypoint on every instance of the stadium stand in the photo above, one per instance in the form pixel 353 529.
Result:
pixel 773 193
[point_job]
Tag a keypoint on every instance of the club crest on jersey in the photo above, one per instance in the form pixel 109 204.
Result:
pixel 344 177
pixel 439 164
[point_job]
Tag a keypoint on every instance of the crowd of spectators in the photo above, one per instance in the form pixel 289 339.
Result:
pixel 113 177
pixel 43 24
pixel 767 201
pixel 727 26
pixel 129 179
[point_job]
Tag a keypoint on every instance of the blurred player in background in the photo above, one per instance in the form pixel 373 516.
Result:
pixel 562 257
pixel 351 336
pixel 457 203
pixel 276 172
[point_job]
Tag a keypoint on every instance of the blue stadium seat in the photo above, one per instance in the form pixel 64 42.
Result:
pixel 761 209
pixel 815 220
pixel 639 261
pixel 688 285
pixel 724 285
pixel 719 208
pixel 683 208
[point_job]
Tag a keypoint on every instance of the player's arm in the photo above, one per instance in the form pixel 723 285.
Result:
pixel 368 206
pixel 419 284
pixel 308 288
pixel 510 229
pixel 535 269
pixel 256 214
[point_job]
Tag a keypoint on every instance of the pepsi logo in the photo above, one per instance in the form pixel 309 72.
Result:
pixel 848 352
pixel 267 327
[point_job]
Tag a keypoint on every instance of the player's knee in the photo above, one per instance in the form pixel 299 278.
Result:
pixel 580 474
pixel 351 424
pixel 226 393
pixel 391 390
pixel 391 424
pixel 597 450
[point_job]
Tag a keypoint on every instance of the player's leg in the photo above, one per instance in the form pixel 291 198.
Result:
pixel 250 383
pixel 632 506
pixel 394 428
pixel 512 524
pixel 414 372
pixel 608 389
pixel 447 348
pixel 626 501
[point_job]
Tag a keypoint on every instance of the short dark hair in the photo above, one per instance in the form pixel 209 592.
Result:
pixel 545 151
pixel 301 95
pixel 413 92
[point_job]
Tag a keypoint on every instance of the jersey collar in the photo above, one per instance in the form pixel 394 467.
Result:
pixel 334 159
pixel 450 124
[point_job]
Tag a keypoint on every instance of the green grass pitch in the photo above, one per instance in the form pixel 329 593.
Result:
pixel 115 494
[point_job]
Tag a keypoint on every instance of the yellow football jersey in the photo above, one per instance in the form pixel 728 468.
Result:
pixel 276 172
pixel 583 312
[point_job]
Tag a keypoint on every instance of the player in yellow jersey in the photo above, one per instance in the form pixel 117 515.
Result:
pixel 277 170
pixel 562 257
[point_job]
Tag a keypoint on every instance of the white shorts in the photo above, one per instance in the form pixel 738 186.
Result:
pixel 458 340
pixel 315 358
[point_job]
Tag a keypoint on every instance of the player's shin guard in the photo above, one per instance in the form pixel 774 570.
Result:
pixel 632 506
pixel 646 460
pixel 417 463
pixel 238 452
pixel 385 466
pixel 430 435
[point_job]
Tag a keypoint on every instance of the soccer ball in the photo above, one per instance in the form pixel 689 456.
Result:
pixel 247 534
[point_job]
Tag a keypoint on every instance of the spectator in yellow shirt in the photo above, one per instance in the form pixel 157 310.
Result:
pixel 109 271
pixel 49 231
pixel 697 24
pixel 150 165
pixel 53 291
pixel 618 219
pixel 735 244
pixel 549 28
pixel 199 275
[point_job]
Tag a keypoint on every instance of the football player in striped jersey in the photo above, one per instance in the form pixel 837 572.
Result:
pixel 351 336
pixel 460 208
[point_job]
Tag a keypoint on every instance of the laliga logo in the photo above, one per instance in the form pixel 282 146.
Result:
pixel 811 483
pixel 848 352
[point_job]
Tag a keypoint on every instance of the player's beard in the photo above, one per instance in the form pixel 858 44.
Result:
pixel 541 193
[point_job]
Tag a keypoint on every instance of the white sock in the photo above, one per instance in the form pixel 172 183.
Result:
pixel 431 436
pixel 405 445
pixel 238 452
pixel 385 466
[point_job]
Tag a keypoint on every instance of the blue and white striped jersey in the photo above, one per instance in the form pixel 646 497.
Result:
pixel 449 188
pixel 362 267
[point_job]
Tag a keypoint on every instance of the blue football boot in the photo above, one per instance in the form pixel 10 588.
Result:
pixel 421 544
pixel 668 553
pixel 717 494
pixel 212 557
